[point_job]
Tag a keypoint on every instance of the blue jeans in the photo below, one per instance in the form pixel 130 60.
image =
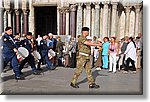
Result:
pixel 14 63
pixel 45 56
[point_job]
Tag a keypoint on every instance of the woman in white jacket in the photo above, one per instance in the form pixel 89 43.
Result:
pixel 130 54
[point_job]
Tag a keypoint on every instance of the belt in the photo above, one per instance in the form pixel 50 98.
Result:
pixel 84 54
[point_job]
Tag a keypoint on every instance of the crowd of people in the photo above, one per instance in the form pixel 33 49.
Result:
pixel 120 54
pixel 110 54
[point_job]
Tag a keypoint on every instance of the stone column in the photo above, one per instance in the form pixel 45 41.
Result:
pixel 5 20
pixel 127 12
pixel 119 21
pixel 1 16
pixel 114 19
pixel 105 19
pixel 60 21
pixel 79 19
pixel 67 21
pixel 137 21
pixel 58 15
pixel 72 20
pixel 97 20
pixel 84 17
pixel 109 22
pixel 64 22
pixel 141 22
pixel 17 21
pixel 25 21
pixel 93 22
pixel 88 16
pixel 31 17
pixel 101 22
pixel 9 17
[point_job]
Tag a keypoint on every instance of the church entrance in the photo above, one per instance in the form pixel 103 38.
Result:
pixel 45 20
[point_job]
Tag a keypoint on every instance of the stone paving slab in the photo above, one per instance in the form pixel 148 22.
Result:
pixel 58 82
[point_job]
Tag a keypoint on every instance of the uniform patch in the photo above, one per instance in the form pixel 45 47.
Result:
pixel 5 39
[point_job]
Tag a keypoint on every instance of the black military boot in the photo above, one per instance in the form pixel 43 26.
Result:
pixel 94 86
pixel 74 85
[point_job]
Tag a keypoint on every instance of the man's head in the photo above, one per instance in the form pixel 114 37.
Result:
pixel 50 35
pixel 130 39
pixel 17 35
pixel 85 31
pixel 8 30
pixel 45 37
pixel 59 38
pixel 39 36
pixel 29 35
pixel 126 38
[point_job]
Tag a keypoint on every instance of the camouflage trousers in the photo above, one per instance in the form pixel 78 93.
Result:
pixel 83 62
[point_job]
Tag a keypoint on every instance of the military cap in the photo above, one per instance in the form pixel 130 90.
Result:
pixel 8 28
pixel 85 29
pixel 29 33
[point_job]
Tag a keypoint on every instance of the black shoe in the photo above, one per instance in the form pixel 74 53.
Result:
pixel 93 86
pixel 36 73
pixel 19 78
pixel 52 68
pixel 74 85
pixel 39 69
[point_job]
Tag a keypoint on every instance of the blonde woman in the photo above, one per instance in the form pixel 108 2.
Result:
pixel 113 53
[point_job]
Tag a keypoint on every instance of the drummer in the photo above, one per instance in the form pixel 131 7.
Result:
pixel 9 52
pixel 30 59
pixel 17 39
pixel 44 51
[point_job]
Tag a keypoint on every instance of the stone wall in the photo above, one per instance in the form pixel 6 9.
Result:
pixel 103 17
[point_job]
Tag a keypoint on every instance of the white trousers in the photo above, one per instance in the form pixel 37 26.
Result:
pixel 112 62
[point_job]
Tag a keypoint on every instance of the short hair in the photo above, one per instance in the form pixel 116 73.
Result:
pixel 8 28
pixel 85 29
pixel 131 38
pixel 106 38
pixel 29 33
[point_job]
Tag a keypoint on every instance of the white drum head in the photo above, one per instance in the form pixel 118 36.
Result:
pixel 37 54
pixel 23 51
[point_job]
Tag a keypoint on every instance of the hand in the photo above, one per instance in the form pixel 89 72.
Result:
pixel 99 44
pixel 15 50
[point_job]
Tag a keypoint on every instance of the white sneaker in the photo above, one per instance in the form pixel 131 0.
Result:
pixel 125 72
pixel 98 68
pixel 133 72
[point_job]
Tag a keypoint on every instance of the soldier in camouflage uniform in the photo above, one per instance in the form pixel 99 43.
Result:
pixel 83 59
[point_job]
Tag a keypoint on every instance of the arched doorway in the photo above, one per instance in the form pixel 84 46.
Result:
pixel 45 20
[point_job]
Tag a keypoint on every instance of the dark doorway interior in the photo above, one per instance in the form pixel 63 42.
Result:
pixel 45 20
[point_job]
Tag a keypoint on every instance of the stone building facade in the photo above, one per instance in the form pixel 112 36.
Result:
pixel 66 17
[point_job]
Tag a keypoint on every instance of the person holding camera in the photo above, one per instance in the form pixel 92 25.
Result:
pixel 113 53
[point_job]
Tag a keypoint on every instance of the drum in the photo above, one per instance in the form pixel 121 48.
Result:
pixel 36 54
pixel 51 54
pixel 22 54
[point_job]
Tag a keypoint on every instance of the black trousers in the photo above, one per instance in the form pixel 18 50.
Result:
pixel 30 60
pixel 127 67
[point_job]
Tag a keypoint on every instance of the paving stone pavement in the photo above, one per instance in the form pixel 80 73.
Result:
pixel 58 82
